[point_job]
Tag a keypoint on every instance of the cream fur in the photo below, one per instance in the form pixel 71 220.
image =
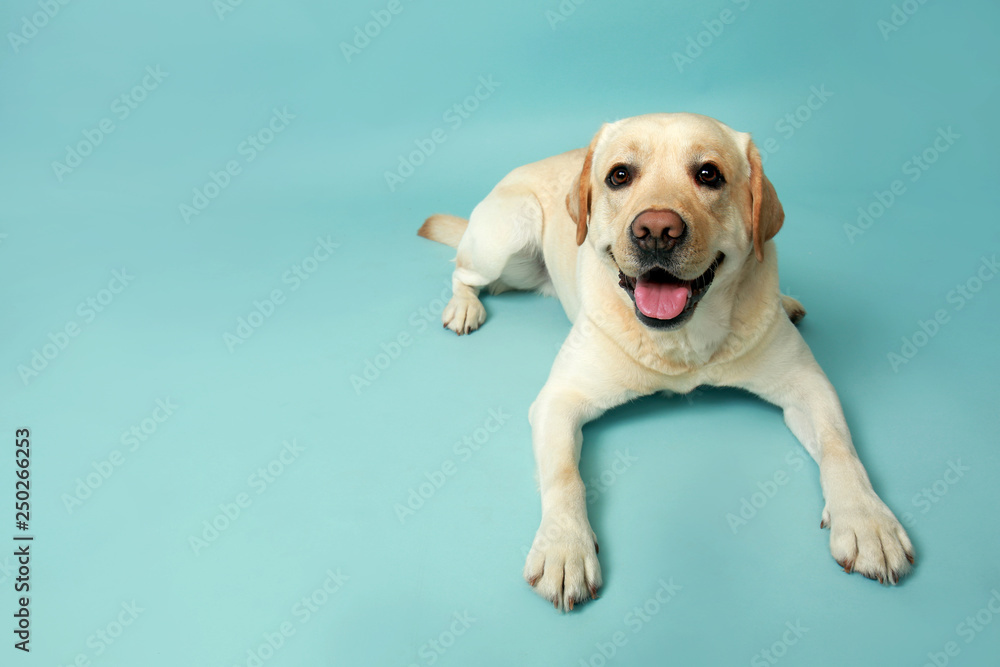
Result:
pixel 523 236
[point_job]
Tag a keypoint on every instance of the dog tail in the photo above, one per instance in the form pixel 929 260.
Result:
pixel 444 228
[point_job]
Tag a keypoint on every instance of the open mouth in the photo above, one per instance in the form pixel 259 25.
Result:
pixel 663 300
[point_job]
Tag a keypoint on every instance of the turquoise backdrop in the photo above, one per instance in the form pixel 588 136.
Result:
pixel 251 442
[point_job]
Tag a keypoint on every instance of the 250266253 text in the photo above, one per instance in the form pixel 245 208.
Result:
pixel 22 543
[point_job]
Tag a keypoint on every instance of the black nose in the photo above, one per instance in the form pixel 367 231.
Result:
pixel 657 230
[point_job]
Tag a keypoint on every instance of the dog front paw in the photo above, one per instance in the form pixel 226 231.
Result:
pixel 463 314
pixel 562 565
pixel 866 537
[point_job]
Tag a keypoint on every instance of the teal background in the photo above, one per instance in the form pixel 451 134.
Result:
pixel 364 448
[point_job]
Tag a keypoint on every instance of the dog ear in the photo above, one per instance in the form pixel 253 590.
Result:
pixel 578 199
pixel 766 215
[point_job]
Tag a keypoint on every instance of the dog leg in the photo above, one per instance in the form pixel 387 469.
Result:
pixel 865 536
pixel 793 308
pixel 505 226
pixel 562 565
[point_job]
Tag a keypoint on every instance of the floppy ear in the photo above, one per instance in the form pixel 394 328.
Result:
pixel 578 199
pixel 766 216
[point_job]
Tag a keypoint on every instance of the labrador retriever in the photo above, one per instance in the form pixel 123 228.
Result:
pixel 657 241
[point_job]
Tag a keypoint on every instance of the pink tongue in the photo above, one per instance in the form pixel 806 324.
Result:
pixel 660 300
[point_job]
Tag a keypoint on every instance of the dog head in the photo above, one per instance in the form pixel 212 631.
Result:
pixel 668 201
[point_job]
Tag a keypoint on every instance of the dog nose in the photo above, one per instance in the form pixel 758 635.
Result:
pixel 657 225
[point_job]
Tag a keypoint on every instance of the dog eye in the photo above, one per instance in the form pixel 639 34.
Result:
pixel 619 176
pixel 709 175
